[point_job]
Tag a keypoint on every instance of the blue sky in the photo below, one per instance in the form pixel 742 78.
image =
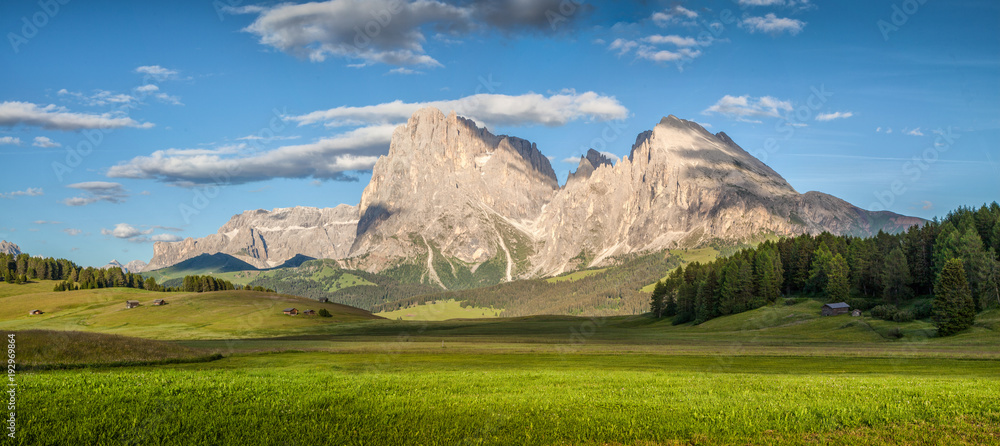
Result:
pixel 126 123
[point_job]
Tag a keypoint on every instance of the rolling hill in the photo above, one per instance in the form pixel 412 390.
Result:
pixel 216 315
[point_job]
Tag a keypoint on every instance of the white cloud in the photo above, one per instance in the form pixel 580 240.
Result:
pixel 328 158
pixel 157 72
pixel 29 192
pixel 658 55
pixel 99 97
pixel 268 138
pixel 148 88
pixel 166 238
pixel 622 45
pixel 771 24
pixel 404 70
pixel 492 109
pixel 678 15
pixel 52 117
pixel 389 31
pixel 10 140
pixel 95 191
pixel 72 231
pixel 42 141
pixel 762 2
pixel 915 132
pixel 834 115
pixel 657 39
pixel 744 107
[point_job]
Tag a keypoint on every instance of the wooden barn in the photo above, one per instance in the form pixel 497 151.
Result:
pixel 835 309
pixel 159 302
pixel 291 311
pixel 34 312
pixel 309 312
pixel 131 303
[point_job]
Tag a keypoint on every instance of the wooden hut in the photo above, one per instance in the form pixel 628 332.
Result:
pixel 291 311
pixel 159 302
pixel 131 303
pixel 309 312
pixel 34 312
pixel 835 309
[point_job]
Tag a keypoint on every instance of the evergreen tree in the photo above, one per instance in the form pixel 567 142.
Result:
pixel 656 300
pixel 729 289
pixel 707 302
pixel 954 309
pixel 837 287
pixel 896 277
pixel 859 260
pixel 820 269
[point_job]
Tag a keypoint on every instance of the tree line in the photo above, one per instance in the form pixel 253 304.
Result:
pixel 955 261
pixel 23 268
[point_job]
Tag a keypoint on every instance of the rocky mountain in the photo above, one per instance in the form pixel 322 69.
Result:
pixel 453 205
pixel 267 239
pixel 135 266
pixel 9 248
pixel 115 264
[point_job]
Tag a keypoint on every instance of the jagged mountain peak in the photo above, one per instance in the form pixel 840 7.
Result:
pixel 9 248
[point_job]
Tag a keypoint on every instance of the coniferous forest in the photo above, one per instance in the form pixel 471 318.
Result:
pixel 954 261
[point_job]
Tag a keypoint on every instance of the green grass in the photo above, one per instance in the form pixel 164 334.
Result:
pixel 441 310
pixel 443 398
pixel 67 349
pixel 219 314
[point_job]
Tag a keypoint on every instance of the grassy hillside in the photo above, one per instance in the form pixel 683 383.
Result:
pixel 205 264
pixel 441 311
pixel 219 314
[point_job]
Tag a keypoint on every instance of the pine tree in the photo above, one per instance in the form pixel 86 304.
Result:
pixel 896 277
pixel 859 260
pixel 838 287
pixel 954 309
pixel 820 269
pixel 656 300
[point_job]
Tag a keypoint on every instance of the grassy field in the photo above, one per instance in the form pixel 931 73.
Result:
pixel 444 398
pixel 439 311
pixel 219 314
pixel 780 375
pixel 575 275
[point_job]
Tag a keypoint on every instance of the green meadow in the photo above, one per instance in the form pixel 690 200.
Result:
pixel 775 375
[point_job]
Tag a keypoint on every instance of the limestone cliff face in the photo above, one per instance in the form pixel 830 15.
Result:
pixel 9 248
pixel 448 184
pixel 450 197
pixel 268 238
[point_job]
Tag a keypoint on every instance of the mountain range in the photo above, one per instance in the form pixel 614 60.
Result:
pixel 454 205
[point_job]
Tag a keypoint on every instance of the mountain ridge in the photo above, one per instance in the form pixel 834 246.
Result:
pixel 459 205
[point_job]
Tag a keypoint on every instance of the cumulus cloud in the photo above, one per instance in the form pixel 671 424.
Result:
pixel 658 55
pixel 72 231
pixel 42 141
pixel 761 2
pixel 491 109
pixel 677 15
pixel 166 238
pixel 328 158
pixel 390 31
pixel 914 132
pixel 834 115
pixel 743 108
pixel 125 230
pixel 95 191
pixel 771 24
pixel 157 72
pixel 336 157
pixel 29 192
pixel 657 39
pixel 10 140
pixel 53 117
pixel 98 98
pixel 623 46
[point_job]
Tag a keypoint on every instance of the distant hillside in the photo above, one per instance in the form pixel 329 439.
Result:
pixel 210 315
pixel 205 264
pixel 325 279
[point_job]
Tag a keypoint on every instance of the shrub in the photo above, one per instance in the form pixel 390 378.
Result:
pixel 884 312
pixel 895 333
pixel 324 313
pixel 924 310
pixel 862 304
pixel 903 316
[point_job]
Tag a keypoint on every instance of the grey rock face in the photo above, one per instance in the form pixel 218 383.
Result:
pixel 268 238
pixel 450 193
pixel 135 266
pixel 9 248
